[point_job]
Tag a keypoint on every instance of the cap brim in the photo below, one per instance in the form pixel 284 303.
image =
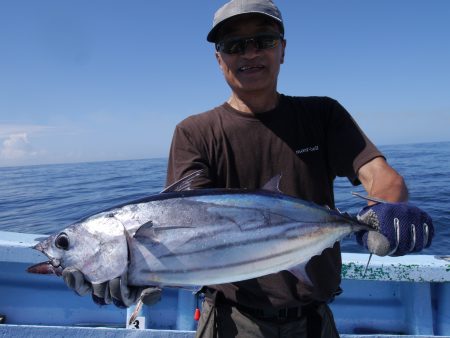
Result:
pixel 212 35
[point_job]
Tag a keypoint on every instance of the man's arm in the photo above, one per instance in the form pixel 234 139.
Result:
pixel 380 180
pixel 401 227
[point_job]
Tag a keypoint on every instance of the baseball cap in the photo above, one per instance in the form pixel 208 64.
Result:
pixel 239 7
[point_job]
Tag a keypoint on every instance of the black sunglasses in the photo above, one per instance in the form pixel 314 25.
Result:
pixel 238 45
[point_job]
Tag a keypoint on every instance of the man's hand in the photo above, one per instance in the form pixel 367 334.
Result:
pixel 114 291
pixel 402 228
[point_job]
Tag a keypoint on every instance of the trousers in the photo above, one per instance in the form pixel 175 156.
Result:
pixel 228 321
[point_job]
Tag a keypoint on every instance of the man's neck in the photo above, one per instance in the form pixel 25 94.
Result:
pixel 253 104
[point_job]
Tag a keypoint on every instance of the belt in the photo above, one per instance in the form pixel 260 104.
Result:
pixel 216 297
pixel 271 313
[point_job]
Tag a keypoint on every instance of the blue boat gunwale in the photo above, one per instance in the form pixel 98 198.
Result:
pixel 418 301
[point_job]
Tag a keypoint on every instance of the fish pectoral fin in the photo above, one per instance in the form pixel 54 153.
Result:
pixel 184 183
pixel 172 227
pixel 148 231
pixel 273 184
pixel 299 271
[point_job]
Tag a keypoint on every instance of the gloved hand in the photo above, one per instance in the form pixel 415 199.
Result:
pixel 114 291
pixel 401 228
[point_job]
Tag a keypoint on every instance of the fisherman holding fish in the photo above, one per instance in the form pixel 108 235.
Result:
pixel 260 133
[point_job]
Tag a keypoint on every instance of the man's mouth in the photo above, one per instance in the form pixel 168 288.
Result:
pixel 250 68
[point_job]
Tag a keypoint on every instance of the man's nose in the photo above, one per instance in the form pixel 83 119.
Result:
pixel 250 48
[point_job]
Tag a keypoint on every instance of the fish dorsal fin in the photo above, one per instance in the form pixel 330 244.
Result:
pixel 185 182
pixel 273 184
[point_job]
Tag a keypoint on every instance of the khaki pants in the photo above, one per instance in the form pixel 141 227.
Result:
pixel 225 321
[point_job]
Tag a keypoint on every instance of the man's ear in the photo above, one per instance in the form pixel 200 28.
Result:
pixel 219 59
pixel 283 47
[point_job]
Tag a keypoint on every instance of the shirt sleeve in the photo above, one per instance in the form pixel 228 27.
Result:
pixel 349 147
pixel 188 154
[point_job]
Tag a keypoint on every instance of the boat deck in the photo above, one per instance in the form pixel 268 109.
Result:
pixel 66 332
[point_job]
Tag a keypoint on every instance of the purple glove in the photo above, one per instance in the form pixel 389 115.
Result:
pixel 402 228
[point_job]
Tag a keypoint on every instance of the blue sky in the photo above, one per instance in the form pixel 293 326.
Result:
pixel 93 80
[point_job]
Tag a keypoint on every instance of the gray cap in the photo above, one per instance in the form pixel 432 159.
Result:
pixel 239 7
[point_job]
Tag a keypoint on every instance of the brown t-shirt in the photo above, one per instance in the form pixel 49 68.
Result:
pixel 309 141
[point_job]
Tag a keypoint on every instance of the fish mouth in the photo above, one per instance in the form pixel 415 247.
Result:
pixel 39 247
pixel 53 266
pixel 46 268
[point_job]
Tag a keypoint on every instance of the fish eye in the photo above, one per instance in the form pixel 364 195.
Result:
pixel 62 241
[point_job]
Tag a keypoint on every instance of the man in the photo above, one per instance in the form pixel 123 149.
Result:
pixel 256 135
pixel 259 133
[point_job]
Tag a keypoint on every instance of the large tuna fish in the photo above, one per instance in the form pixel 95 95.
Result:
pixel 197 237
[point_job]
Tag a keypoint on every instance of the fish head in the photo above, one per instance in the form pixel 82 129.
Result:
pixel 96 246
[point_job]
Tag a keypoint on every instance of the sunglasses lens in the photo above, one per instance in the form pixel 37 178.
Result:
pixel 232 46
pixel 266 42
pixel 235 46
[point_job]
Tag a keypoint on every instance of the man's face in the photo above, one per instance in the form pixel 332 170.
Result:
pixel 253 70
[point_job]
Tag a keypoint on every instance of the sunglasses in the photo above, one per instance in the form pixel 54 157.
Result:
pixel 239 45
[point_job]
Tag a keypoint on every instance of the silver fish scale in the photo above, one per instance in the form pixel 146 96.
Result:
pixel 199 238
pixel 217 239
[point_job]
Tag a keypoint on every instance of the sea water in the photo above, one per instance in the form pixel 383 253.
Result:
pixel 43 199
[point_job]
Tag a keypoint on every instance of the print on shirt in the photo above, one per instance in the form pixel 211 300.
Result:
pixel 307 150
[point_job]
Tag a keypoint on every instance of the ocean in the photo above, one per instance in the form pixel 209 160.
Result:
pixel 43 199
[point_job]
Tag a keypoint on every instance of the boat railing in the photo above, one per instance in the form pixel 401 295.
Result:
pixel 404 296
